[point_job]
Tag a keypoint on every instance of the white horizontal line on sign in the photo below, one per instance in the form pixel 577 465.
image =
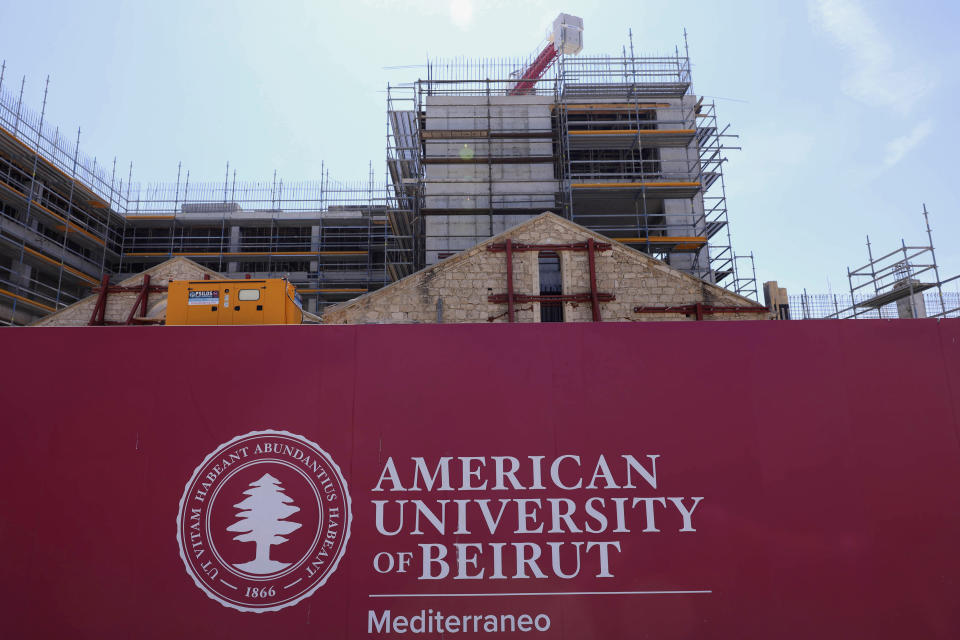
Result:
pixel 539 593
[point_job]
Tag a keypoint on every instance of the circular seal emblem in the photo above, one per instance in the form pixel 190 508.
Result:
pixel 264 521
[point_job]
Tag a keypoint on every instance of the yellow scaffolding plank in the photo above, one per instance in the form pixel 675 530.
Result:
pixel 622 185
pixel 664 239
pixel 49 163
pixel 70 226
pixel 614 106
pixel 75 272
pixel 240 254
pixel 642 132
pixel 63 227
pixel 682 243
pixel 39 305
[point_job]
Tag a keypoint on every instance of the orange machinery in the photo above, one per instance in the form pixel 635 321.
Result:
pixel 230 302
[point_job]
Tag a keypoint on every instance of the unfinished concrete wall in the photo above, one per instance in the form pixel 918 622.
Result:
pixel 684 217
pixel 457 289
pixel 459 177
pixel 912 306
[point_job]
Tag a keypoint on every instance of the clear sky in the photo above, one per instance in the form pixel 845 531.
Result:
pixel 841 105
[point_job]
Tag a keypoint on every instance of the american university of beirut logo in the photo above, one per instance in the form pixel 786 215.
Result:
pixel 264 521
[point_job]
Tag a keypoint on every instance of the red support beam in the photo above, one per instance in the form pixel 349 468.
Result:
pixel 594 301
pixel 535 71
pixel 575 246
pixel 510 312
pixel 511 299
pixel 519 298
pixel 141 300
pixel 143 291
pixel 100 308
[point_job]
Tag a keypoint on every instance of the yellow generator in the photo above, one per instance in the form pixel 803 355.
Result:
pixel 228 302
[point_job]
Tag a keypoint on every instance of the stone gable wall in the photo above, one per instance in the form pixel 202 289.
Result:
pixel 462 284
pixel 119 304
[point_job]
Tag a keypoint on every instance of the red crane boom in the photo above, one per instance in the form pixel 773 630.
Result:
pixel 566 37
pixel 535 71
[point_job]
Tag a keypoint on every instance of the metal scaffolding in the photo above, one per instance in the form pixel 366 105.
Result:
pixel 329 238
pixel 67 220
pixel 618 144
pixel 904 283
pixel 58 229
pixel 745 277
pixel 821 306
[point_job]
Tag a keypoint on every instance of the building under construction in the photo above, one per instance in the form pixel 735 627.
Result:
pixel 619 144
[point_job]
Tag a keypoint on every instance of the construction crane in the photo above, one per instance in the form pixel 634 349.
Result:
pixel 565 37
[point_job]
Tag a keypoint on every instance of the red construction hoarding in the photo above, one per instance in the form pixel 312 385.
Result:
pixel 656 480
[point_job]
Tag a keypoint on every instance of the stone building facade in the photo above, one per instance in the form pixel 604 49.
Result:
pixel 119 303
pixel 471 286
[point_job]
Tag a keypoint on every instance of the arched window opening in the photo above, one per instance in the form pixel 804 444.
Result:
pixel 551 284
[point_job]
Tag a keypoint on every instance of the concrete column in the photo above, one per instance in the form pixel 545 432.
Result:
pixel 912 306
pixel 20 274
pixel 682 217
pixel 314 264
pixel 478 186
pixel 232 266
pixel 775 298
